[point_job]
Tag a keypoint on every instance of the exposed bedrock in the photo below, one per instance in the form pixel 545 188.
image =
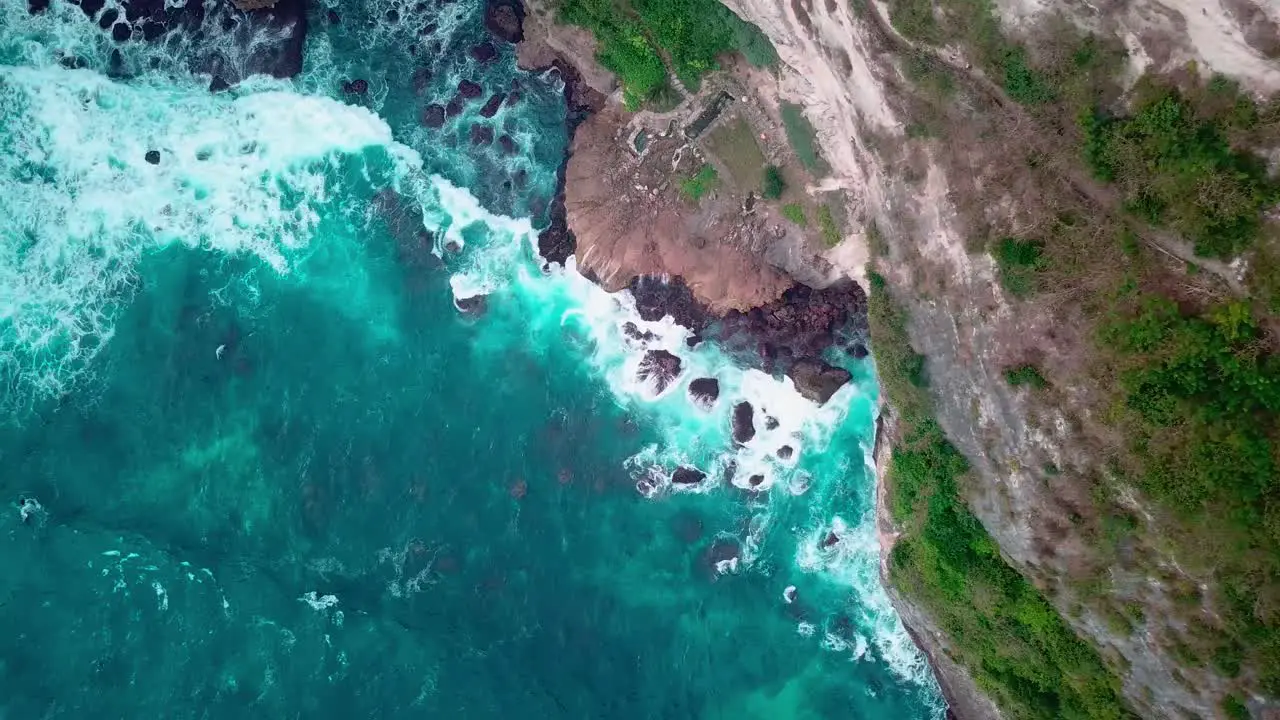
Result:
pixel 744 427
pixel 816 380
pixel 704 392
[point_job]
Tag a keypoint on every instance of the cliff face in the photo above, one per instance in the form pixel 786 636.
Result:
pixel 930 203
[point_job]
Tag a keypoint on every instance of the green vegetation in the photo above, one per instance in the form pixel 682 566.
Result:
pixel 1028 375
pixel 827 225
pixel 636 35
pixel 795 213
pixel 773 184
pixel 1013 642
pixel 1019 263
pixel 701 183
pixel 803 138
pixel 1177 169
pixel 1201 413
pixel 1234 708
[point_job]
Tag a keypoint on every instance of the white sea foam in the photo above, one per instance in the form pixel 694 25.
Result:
pixel 241 172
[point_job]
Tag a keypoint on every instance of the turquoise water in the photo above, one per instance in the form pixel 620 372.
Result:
pixel 255 463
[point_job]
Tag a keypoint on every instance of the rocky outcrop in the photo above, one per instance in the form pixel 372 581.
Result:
pixel 704 392
pixel 687 476
pixel 743 423
pixel 659 369
pixel 816 380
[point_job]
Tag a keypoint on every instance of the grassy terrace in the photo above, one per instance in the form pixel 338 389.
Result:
pixel 1187 370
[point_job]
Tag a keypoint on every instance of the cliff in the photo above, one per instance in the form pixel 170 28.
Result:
pixel 1063 204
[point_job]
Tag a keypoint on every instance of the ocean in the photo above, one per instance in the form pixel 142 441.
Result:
pixel 296 423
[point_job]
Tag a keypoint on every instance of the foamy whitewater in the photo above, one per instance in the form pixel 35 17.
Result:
pixel 260 462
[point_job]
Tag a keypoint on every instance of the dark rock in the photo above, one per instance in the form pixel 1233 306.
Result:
pixel 720 557
pixel 632 331
pixel 858 351
pixel 785 452
pixel 755 481
pixel 513 97
pixel 704 392
pixel 153 157
pixel 816 380
pixel 770 422
pixel 687 476
pixel 744 427
pixel 472 306
pixel 121 32
pixel 830 540
pixel 693 340
pixel 656 298
pixel 421 80
pixel 355 87
pixel 392 16
pixel 108 18
pixel 454 108
pixel 470 90
pixel 481 135
pixel 491 106
pixel 333 17
pixel 505 19
pixel 428 30
pixel 484 52
pixel 659 367
pixel 433 116
pixel 217 84
pixel 508 145
pixel 152 30
pixel 91 7
pixel 802 323
pixel 35 7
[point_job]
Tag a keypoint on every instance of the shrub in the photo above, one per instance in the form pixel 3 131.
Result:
pixel 795 213
pixel 1234 708
pixel 1025 375
pixel 773 184
pixel 1019 262
pixel 827 225
pixel 1177 170
pixel 701 183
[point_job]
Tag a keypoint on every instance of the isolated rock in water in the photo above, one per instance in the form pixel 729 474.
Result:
pixel 785 452
pixel 484 52
pixel 355 87
pixel 816 380
pixel 632 331
pixel 470 90
pixel 770 422
pixel 481 135
pixel 755 481
pixel 472 306
pixel 659 367
pixel 704 392
pixel 491 106
pixel 744 427
pixel 687 476
pixel 153 157
pixel 505 19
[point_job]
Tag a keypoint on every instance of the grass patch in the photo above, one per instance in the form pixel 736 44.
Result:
pixel 1007 635
pixel 1028 375
pixel 735 144
pixel 1019 263
pixel 699 184
pixel 803 139
pixel 795 213
pixel 827 226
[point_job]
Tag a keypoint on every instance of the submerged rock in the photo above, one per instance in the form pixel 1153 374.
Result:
pixel 785 452
pixel 770 422
pixel 704 392
pixel 632 331
pixel 484 52
pixel 816 380
pixel 660 368
pixel 744 427
pixel 505 19
pixel 481 135
pixel 433 116
pixel 470 90
pixel 687 476
pixel 491 106
pixel 358 86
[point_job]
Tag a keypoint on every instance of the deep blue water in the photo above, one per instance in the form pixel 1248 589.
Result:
pixel 255 463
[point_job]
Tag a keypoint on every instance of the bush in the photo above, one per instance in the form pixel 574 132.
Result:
pixel 803 138
pixel 1019 263
pixel 1025 375
pixel 701 183
pixel 773 184
pixel 795 213
pixel 1234 708
pixel 827 225
pixel 1177 170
